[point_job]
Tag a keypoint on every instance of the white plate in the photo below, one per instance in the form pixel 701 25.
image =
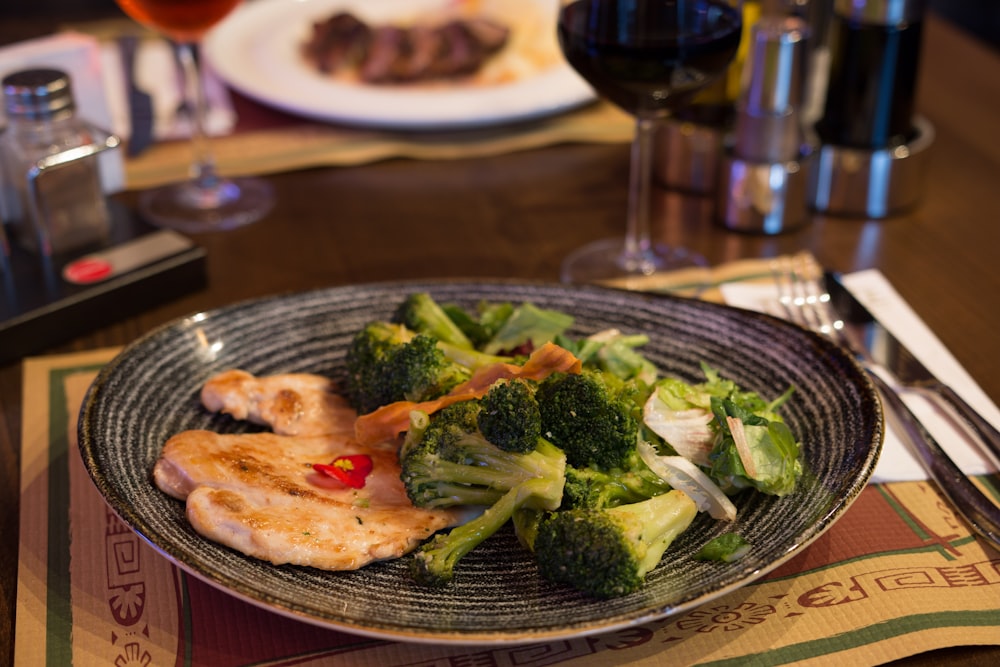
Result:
pixel 256 51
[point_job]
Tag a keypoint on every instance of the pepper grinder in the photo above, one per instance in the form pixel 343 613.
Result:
pixel 873 146
pixel 764 172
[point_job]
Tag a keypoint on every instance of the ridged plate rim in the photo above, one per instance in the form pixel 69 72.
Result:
pixel 306 331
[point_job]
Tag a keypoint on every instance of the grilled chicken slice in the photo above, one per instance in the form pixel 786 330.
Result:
pixel 257 493
pixel 291 403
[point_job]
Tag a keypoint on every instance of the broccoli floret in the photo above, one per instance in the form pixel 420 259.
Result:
pixel 510 417
pixel 387 362
pixel 590 416
pixel 447 462
pixel 589 488
pixel 419 312
pixel 607 553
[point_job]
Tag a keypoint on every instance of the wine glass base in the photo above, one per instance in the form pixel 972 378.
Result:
pixel 194 208
pixel 606 262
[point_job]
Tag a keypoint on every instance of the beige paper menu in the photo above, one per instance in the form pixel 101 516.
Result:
pixel 897 575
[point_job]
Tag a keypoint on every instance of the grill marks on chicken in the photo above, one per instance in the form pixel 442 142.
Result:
pixel 395 54
pixel 257 493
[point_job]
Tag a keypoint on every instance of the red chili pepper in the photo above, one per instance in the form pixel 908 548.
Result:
pixel 352 470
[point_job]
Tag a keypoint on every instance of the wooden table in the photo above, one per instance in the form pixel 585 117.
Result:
pixel 520 214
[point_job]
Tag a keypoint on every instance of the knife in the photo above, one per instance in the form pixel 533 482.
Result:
pixel 140 103
pixel 887 351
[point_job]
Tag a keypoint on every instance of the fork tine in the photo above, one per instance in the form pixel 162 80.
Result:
pixel 802 296
pixel 781 273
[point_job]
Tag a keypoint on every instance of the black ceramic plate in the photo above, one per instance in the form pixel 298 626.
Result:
pixel 150 391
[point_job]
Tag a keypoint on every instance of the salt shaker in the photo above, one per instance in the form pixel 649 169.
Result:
pixel 52 194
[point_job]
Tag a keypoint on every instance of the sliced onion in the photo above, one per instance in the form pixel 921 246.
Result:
pixel 742 446
pixel 687 431
pixel 685 476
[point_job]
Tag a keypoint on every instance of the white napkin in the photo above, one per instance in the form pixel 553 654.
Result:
pixel 157 73
pixel 873 290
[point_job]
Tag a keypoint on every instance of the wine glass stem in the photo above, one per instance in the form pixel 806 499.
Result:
pixel 203 168
pixel 638 246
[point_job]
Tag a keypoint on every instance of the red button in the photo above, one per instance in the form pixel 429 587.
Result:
pixel 87 270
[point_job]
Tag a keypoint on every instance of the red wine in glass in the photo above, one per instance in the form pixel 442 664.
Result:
pixel 182 20
pixel 649 57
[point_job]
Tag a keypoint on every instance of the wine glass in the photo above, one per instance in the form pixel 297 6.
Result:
pixel 207 202
pixel 649 57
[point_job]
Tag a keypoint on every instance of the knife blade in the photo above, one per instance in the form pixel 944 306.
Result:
pixel 140 103
pixel 887 351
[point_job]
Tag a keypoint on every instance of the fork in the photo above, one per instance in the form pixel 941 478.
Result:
pixel 805 301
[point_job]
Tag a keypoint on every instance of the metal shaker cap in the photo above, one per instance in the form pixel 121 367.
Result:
pixel 37 94
pixel 880 12
pixel 774 76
